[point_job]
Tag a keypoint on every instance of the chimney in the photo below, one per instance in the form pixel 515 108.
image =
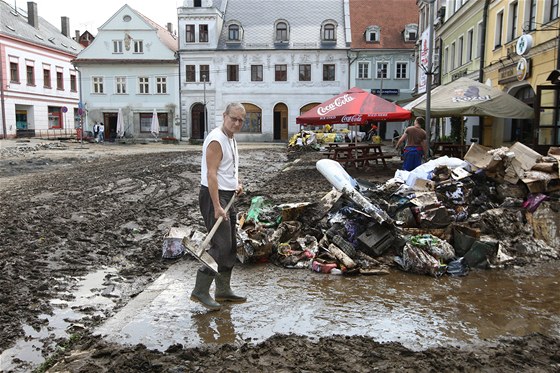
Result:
pixel 77 32
pixel 170 27
pixel 65 26
pixel 32 16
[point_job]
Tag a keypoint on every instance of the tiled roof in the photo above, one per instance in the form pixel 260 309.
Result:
pixel 257 18
pixel 163 34
pixel 14 24
pixel 390 15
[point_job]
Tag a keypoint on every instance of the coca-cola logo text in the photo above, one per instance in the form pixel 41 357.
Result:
pixel 351 118
pixel 338 102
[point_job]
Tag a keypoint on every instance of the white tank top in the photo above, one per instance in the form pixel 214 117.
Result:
pixel 228 169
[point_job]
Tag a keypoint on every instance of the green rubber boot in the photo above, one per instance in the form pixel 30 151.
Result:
pixel 201 292
pixel 223 289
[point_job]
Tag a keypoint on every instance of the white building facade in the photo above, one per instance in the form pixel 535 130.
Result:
pixel 278 58
pixel 39 86
pixel 131 66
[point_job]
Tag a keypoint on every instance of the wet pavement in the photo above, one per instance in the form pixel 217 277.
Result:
pixel 417 311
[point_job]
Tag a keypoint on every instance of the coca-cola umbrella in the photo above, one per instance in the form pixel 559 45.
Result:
pixel 354 107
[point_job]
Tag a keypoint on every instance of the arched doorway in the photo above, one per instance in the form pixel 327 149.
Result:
pixel 281 122
pixel 522 129
pixel 198 121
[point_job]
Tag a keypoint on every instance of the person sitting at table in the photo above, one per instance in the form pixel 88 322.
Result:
pixel 416 145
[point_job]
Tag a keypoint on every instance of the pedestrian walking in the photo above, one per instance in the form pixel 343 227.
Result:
pixel 101 132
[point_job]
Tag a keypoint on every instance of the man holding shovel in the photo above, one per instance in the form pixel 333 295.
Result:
pixel 219 181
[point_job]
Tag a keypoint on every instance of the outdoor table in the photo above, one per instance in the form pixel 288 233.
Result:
pixel 359 155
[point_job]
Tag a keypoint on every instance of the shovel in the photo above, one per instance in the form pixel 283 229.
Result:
pixel 200 251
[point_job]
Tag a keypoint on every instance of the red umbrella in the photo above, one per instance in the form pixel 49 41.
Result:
pixel 354 106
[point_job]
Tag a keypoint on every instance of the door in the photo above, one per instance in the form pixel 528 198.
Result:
pixel 198 120
pixel 281 122
pixel 110 122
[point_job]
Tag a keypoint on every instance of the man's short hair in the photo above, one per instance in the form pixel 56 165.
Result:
pixel 234 105
pixel 421 121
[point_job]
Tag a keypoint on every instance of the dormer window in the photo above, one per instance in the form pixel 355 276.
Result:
pixel 282 32
pixel 328 31
pixel 411 32
pixel 373 34
pixel 235 32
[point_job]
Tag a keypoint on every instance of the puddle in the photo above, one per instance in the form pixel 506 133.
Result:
pixel 26 353
pixel 417 311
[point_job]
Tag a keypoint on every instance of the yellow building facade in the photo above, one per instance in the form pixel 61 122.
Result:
pixel 521 53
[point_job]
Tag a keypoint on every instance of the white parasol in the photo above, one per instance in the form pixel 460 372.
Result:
pixel 120 124
pixel 154 129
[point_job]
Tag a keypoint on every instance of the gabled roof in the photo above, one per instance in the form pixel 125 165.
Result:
pixel 257 18
pixel 163 34
pixel 14 24
pixel 390 15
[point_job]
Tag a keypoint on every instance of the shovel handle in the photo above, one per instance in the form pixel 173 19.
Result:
pixel 215 227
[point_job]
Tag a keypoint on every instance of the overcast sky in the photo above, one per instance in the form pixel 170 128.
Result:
pixel 90 14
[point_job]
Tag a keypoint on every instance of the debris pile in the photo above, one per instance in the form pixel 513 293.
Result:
pixel 494 208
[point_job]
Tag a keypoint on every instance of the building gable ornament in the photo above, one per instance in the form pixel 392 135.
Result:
pixel 127 40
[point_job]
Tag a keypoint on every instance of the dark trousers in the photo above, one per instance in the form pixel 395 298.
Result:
pixel 223 246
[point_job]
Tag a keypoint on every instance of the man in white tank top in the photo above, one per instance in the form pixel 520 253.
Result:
pixel 219 182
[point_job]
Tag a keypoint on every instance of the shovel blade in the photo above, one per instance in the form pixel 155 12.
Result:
pixel 201 255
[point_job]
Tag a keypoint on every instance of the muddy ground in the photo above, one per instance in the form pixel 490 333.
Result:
pixel 67 210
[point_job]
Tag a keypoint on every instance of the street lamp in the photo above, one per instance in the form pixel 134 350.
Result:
pixel 204 103
pixel 429 68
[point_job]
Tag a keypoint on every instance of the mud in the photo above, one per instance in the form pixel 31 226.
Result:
pixel 69 211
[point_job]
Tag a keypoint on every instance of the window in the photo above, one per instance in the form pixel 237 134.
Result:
pixel 30 74
pixel 446 60
pixel 117 46
pixel 512 26
pixel 97 84
pixel 411 32
pixel 498 32
pixel 59 80
pixel 73 83
pixel 329 32
pixel 372 34
pixel 190 73
pixel 161 85
pixel 138 46
pixel 531 15
pixel 402 70
pixel 14 72
pixel 55 117
pixel 143 85
pixel 120 82
pixel 363 70
pixel 233 32
pixel 452 56
pixel 553 10
pixel 328 73
pixel 281 31
pixel 232 73
pixel 253 119
pixel 189 33
pixel 146 122
pixel 304 73
pixel 203 33
pixel 46 77
pixel 256 73
pixel 460 52
pixel 280 73
pixel 479 42
pixel 469 54
pixel 197 3
pixel 382 70
pixel 204 73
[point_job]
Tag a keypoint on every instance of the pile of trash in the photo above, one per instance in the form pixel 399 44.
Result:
pixel 19 149
pixel 445 217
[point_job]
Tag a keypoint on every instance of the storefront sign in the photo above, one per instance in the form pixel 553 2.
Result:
pixel 522 69
pixel 507 74
pixel 524 44
pixel 390 92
